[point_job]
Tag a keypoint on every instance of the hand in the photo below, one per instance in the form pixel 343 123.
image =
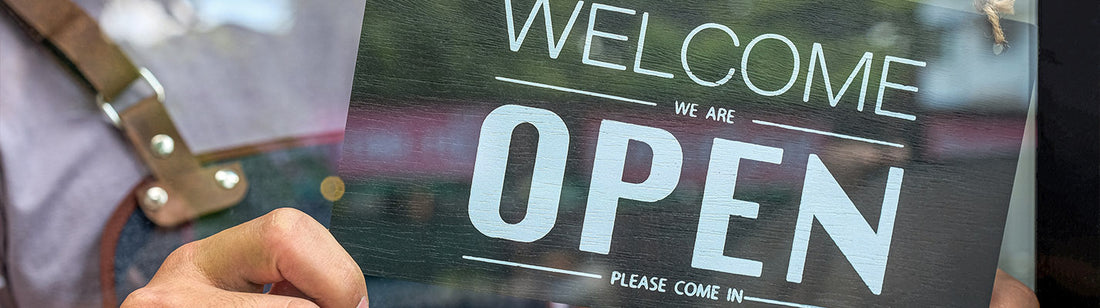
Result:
pixel 1009 292
pixel 285 247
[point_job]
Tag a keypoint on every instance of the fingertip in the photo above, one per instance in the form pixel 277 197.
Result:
pixel 363 302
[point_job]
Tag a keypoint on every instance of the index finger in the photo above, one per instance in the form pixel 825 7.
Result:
pixel 285 244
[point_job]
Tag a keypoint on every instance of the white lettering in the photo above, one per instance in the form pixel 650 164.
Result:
pixel 514 42
pixel 587 57
pixel 641 45
pixel 745 63
pixel 684 50
pixel 607 185
pixel 866 249
pixel 718 205
pixel 864 62
pixel 883 84
pixel 491 160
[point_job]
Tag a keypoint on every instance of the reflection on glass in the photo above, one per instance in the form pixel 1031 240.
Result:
pixel 425 85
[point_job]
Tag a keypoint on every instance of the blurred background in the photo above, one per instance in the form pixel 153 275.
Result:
pixel 264 38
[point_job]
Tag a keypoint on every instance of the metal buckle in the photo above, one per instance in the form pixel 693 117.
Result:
pixel 110 111
pixel 182 188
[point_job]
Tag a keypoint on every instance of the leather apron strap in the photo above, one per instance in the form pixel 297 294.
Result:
pixel 183 189
pixel 67 29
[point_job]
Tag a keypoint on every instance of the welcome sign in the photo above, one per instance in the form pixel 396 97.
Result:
pixel 684 152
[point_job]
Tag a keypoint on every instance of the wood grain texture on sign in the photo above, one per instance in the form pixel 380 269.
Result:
pixel 886 185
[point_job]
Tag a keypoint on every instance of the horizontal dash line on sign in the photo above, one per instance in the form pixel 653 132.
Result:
pixel 814 131
pixel 775 302
pixel 564 89
pixel 534 267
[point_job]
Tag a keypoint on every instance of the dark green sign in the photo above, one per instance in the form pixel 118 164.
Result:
pixel 684 152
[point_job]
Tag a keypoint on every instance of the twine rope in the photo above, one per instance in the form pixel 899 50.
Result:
pixel 993 10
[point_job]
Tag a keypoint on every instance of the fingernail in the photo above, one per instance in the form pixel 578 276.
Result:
pixel 362 303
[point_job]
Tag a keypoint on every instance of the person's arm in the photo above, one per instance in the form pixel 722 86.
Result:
pixel 1009 292
pixel 285 247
